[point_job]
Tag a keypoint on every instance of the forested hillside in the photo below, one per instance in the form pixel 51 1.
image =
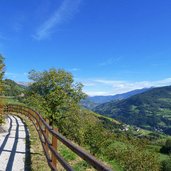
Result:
pixel 11 88
pixel 149 110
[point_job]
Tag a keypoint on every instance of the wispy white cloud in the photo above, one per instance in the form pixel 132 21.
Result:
pixel 74 69
pixel 97 93
pixel 18 27
pixel 89 84
pixel 19 22
pixel 65 12
pixel 112 87
pixel 110 61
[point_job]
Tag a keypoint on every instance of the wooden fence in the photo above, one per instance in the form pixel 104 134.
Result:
pixel 50 146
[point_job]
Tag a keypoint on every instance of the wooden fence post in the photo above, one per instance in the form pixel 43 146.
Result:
pixel 54 144
pixel 28 113
pixel 18 109
pixel 37 122
pixel 47 136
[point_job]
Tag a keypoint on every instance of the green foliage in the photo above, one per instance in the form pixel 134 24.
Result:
pixel 55 92
pixel 55 95
pixel 11 88
pixel 167 147
pixel 94 137
pixel 80 166
pixel 166 165
pixel 67 154
pixel 11 100
pixel 133 158
pixel 168 144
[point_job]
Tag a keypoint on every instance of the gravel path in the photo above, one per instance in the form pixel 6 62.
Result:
pixel 13 145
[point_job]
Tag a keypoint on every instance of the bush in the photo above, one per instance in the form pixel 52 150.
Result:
pixel 132 158
pixel 166 149
pixel 166 165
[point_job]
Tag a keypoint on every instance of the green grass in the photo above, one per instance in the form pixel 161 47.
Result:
pixel 67 154
pixel 164 157
pixel 113 163
pixel 115 166
pixel 10 100
pixel 79 164
pixel 154 148
pixel 73 159
pixel 82 165
pixel 110 119
pixel 37 160
pixel 144 132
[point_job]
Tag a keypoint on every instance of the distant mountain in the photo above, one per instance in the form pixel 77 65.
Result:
pixel 86 103
pixel 149 110
pixel 92 102
pixel 25 84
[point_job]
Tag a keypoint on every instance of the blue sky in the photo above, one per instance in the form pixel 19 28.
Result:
pixel 110 46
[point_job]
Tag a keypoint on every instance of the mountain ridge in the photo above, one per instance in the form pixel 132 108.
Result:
pixel 149 110
pixel 92 102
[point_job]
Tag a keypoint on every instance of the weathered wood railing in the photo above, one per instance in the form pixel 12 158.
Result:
pixel 50 147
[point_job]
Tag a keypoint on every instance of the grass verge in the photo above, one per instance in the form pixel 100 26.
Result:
pixel 37 160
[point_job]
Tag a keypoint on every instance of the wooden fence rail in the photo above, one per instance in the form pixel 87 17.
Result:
pixel 50 147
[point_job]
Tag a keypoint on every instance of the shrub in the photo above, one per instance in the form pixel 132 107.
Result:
pixel 166 149
pixel 166 165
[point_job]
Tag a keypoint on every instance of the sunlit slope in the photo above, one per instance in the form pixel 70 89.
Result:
pixel 151 110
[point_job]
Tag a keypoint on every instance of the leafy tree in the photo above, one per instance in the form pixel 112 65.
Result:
pixel 55 94
pixel 94 136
